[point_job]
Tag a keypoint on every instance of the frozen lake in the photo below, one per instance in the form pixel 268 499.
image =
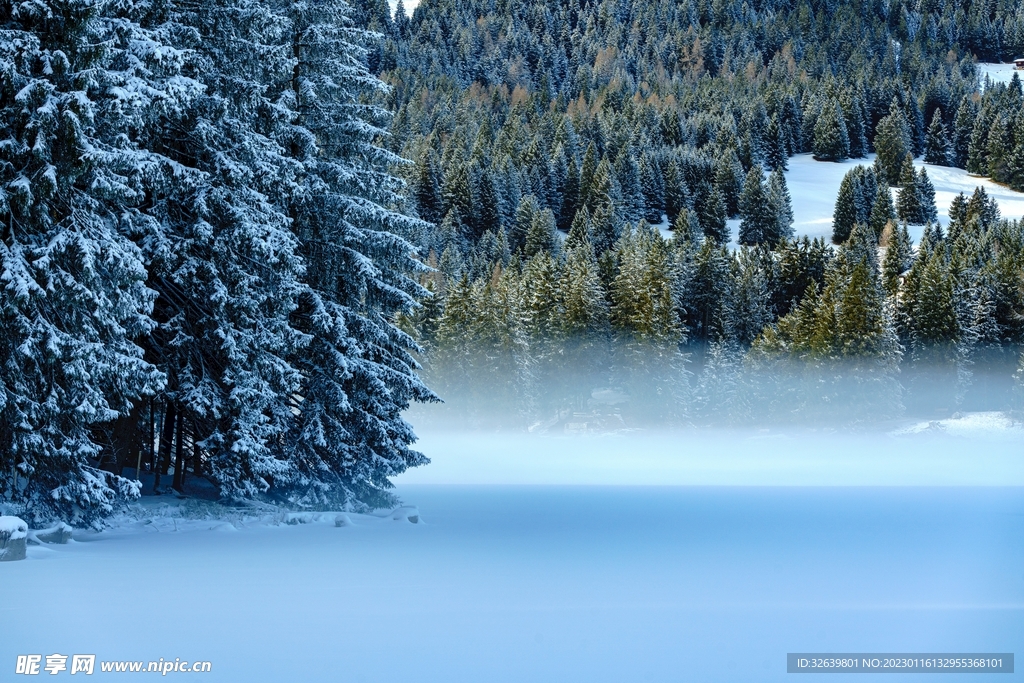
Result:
pixel 543 583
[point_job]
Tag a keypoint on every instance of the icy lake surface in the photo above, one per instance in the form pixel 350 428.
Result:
pixel 557 582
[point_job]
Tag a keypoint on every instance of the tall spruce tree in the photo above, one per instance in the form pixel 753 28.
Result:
pixel 357 371
pixel 831 138
pixel 908 200
pixel 758 224
pixel 81 80
pixel 892 143
pixel 937 146
pixel 781 205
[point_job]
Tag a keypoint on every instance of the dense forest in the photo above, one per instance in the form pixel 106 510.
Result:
pixel 231 234
pixel 200 257
pixel 548 137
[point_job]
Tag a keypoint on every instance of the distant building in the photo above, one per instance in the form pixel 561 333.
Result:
pixel 1018 64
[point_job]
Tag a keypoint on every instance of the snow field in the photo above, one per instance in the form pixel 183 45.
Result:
pixel 814 186
pixel 997 73
pixel 541 584
pixel 979 449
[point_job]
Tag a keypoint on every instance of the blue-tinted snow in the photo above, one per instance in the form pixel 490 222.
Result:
pixel 572 583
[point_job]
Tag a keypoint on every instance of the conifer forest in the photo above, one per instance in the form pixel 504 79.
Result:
pixel 240 239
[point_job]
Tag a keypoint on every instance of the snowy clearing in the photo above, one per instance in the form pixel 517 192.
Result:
pixel 814 186
pixel 997 73
pixel 410 5
pixel 539 584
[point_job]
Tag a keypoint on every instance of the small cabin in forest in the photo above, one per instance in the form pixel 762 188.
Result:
pixel 1018 64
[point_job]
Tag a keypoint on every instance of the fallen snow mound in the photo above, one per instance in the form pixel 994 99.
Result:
pixel 970 425
pixel 174 516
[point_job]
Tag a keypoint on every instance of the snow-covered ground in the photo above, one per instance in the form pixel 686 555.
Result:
pixel 633 557
pixel 512 584
pixel 410 5
pixel 980 449
pixel 814 186
pixel 997 73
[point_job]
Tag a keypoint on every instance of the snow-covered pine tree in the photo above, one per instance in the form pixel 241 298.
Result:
pixel 712 217
pixel 926 197
pixel 844 216
pixel 750 301
pixel 893 143
pixel 541 236
pixel 627 176
pixel 898 256
pixel 937 146
pixel 908 200
pixel 758 224
pixel 584 323
pixel 224 261
pixel 882 211
pixel 831 138
pixel 676 194
pixel 357 372
pixel 729 179
pixel 782 205
pixel 646 326
pixel 81 81
pixel 775 152
pixel 963 126
pixel 426 188
pixel 653 190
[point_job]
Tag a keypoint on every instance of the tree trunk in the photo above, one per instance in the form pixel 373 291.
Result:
pixel 152 436
pixel 179 458
pixel 164 456
pixel 197 454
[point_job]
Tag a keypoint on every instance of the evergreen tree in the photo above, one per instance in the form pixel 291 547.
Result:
pixel 926 197
pixel 936 146
pixel 79 85
pixel 712 217
pixel 646 326
pixel 675 190
pixel 882 211
pixel 831 138
pixel 776 153
pixel 749 305
pixel 758 224
pixel 892 143
pixel 541 236
pixel 963 126
pixel 729 179
pixel 908 201
pixel 844 215
pixel 570 196
pixel 898 256
pixel 781 205
pixel 427 189
pixel 357 371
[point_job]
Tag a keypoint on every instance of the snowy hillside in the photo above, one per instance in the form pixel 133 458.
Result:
pixel 410 5
pixel 814 186
pixel 997 73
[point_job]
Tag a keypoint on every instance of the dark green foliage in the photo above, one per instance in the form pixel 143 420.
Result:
pixel 759 223
pixel 908 200
pixel 856 202
pixel 937 146
pixel 831 137
pixel 893 144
